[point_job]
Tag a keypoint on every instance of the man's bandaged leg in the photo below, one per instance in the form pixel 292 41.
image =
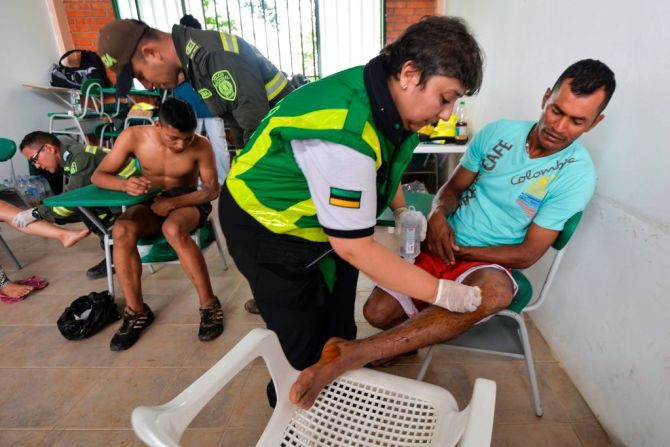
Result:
pixel 457 297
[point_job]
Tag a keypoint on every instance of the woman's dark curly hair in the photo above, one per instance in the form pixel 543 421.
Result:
pixel 437 45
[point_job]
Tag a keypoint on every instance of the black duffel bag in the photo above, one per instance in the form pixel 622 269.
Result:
pixel 90 67
pixel 87 315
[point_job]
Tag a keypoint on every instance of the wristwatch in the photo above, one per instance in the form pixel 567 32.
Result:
pixel 36 213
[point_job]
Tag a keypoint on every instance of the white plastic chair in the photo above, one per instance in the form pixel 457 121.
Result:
pixel 360 408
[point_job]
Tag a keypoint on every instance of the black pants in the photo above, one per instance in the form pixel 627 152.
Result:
pixel 293 300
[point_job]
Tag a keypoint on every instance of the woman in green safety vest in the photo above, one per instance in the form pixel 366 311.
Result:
pixel 301 200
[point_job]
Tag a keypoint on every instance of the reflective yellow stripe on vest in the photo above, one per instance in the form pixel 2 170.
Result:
pixel 229 42
pixel 276 85
pixel 91 149
pixel 62 212
pixel 284 221
pixel 128 170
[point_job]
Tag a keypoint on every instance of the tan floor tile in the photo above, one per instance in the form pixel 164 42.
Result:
pixel 111 399
pixel 88 438
pixel 8 334
pixel 238 437
pixel 23 438
pixel 48 348
pixel 40 307
pixel 202 438
pixel 514 400
pixel 591 434
pixel 566 392
pixel 38 397
pixel 533 435
pixel 252 409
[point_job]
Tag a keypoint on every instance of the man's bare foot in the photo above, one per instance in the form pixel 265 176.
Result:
pixel 14 290
pixel 72 237
pixel 336 359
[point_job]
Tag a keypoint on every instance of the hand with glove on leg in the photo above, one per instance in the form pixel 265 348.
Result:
pixel 25 218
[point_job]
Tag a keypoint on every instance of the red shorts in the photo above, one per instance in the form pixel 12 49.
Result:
pixel 432 264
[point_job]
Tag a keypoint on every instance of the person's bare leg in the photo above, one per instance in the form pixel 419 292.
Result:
pixel 42 228
pixel 14 290
pixel 430 326
pixel 136 222
pixel 176 229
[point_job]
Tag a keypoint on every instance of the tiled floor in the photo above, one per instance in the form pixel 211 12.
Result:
pixel 55 392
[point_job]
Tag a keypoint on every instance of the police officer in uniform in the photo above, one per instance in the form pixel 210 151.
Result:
pixel 77 162
pixel 301 200
pixel 236 82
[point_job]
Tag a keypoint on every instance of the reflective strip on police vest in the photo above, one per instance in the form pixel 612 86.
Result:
pixel 285 221
pixel 229 42
pixel 128 170
pixel 91 149
pixel 62 212
pixel 276 85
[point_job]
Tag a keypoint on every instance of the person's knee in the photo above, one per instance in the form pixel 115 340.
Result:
pixel 381 310
pixel 174 233
pixel 124 233
pixel 495 297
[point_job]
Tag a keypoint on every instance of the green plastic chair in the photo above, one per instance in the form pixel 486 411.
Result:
pixel 93 108
pixel 505 333
pixel 7 151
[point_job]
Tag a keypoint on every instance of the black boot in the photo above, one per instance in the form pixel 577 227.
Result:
pixel 99 270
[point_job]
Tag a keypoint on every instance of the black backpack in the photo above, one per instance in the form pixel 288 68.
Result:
pixel 90 67
pixel 87 315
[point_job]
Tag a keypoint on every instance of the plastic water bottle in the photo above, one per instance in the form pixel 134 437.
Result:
pixel 32 191
pixel 410 235
pixel 461 124
pixel 21 184
pixel 75 100
pixel 45 188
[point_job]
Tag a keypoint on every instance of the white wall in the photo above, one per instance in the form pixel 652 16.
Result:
pixel 27 48
pixel 608 316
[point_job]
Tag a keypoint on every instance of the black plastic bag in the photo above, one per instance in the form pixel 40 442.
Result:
pixel 90 67
pixel 87 315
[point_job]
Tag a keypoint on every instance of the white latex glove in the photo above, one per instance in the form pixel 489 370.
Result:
pixel 402 213
pixel 458 297
pixel 24 218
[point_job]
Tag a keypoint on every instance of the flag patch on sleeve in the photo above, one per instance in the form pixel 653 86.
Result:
pixel 345 198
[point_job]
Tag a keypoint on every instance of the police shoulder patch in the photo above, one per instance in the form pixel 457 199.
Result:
pixel 192 47
pixel 345 198
pixel 224 84
pixel 205 93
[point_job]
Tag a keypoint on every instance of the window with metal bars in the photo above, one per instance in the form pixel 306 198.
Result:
pixel 285 31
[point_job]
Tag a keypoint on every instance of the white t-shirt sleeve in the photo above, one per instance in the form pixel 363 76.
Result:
pixel 342 183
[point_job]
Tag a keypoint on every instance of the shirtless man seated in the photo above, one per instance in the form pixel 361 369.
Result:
pixel 517 185
pixel 172 157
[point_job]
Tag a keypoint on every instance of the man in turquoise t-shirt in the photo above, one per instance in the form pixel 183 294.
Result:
pixel 517 185
pixel 513 189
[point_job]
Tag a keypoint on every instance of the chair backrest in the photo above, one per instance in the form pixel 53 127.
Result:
pixel 567 231
pixel 559 245
pixel 7 149
pixel 92 97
